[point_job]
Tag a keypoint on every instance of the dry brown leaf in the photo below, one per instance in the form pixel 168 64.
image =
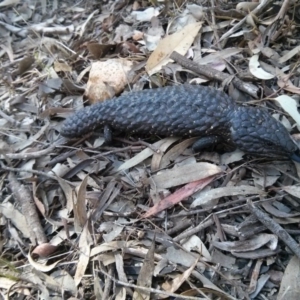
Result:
pixel 80 213
pixel 179 42
pixel 184 174
pixel 285 83
pixel 44 250
pixel 146 273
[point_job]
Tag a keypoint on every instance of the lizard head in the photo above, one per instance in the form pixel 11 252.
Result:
pixel 256 132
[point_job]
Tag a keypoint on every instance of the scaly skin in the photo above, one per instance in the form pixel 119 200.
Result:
pixel 188 110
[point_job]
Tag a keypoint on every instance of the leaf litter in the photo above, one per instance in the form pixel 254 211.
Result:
pixel 144 217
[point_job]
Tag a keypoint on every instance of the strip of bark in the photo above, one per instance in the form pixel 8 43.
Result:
pixel 275 228
pixel 246 87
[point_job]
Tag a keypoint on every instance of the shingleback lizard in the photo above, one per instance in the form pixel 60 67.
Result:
pixel 188 110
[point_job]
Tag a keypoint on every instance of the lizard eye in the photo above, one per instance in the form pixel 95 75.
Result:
pixel 269 143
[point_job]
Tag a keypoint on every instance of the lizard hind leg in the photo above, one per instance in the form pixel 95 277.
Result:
pixel 206 142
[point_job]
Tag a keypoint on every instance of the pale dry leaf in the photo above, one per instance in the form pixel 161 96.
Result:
pixel 179 42
pixel 120 267
pixel 59 170
pixel 145 15
pixel 256 70
pixel 121 294
pixel 180 279
pixel 289 105
pixel 81 29
pixel 68 192
pixel 262 280
pixel 65 281
pixel 221 25
pixel 288 86
pixel 289 54
pixel 122 33
pixel 264 181
pixel 283 120
pixel 219 257
pixel 198 80
pixel 9 2
pixel 160 266
pixel 112 231
pixel 277 212
pixel 151 41
pixel 209 285
pixel 41 267
pixel 62 67
pixel 146 273
pixel 180 256
pixel 175 152
pixel 246 6
pixel 207 196
pixel 230 157
pixel 18 220
pixel 285 83
pixel 218 55
pixel 112 246
pixel 289 287
pixel 286 221
pixel 84 246
pixel 62 235
pixel 106 258
pixel 256 242
pixel 183 20
pixel 294 190
pixel 196 11
pixel 184 174
pixel 194 243
pixel 157 157
pixel 153 36
pixel 27 166
pixel 140 157
pixel 6 283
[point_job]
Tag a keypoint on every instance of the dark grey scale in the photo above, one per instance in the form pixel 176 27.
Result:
pixel 188 110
